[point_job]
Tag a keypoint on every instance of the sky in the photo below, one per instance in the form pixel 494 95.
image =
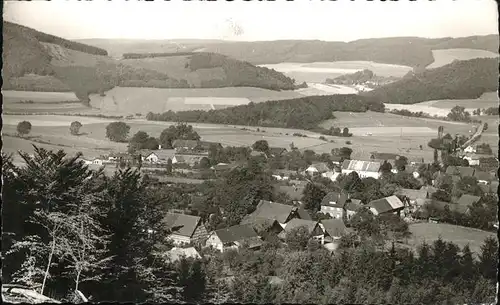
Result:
pixel 340 20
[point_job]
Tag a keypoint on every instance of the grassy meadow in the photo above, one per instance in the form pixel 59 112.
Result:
pixel 447 56
pixel 461 236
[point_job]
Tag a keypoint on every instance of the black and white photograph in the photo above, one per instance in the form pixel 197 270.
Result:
pixel 250 151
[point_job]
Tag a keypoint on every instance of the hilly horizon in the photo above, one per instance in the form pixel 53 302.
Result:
pixel 41 62
pixel 410 51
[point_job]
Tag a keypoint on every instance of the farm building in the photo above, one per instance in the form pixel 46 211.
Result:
pixel 224 167
pixel 152 158
pixel 184 144
pixel 491 188
pixel 205 145
pixel 313 227
pixel 390 204
pixel 482 177
pixel 176 254
pixel 470 149
pixel 264 227
pixel 233 238
pixel 363 168
pixel 274 211
pixel 317 169
pixel 97 161
pixel 178 159
pixel 473 159
pixel 333 229
pixel 333 204
pixel 185 228
pixel 336 159
pixel 413 197
pixel 332 175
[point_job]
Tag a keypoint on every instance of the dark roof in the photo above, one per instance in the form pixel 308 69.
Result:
pixel 441 205
pixel 412 194
pixel 184 143
pixel 236 233
pixel 353 205
pixel 295 223
pixel 320 166
pixel 336 158
pixel 260 224
pixel 303 214
pixel 463 171
pixel 467 200
pixel 180 158
pixel 206 145
pixel 272 210
pixel 480 175
pixel 334 227
pixel 185 224
pixel 384 156
pixel 334 199
pixel 224 166
pixel 386 204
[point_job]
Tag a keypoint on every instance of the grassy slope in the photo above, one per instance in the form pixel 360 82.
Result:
pixel 459 80
pixel 447 56
pixel 86 69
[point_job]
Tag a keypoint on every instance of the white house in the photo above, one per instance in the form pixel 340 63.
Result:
pixel 87 162
pixel 332 175
pixel 317 169
pixel 97 161
pixel 152 158
pixel 185 228
pixel 472 159
pixel 178 159
pixel 470 149
pixel 333 204
pixel 364 169
pixel 233 238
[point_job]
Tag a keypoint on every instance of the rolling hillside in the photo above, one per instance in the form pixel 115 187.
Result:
pixel 36 61
pixel 408 51
pixel 458 80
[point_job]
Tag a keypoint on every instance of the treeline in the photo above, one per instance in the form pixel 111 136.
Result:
pixel 303 113
pixel 153 55
pixel 239 73
pixel 458 80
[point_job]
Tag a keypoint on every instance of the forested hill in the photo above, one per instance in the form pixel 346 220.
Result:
pixel 409 51
pixel 36 61
pixel 459 80
pixel 302 113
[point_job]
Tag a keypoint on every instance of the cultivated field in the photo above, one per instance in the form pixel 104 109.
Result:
pixel 177 67
pixel 461 236
pixel 444 57
pixel 318 72
pixel 42 102
pixel 324 89
pixel 443 107
pixel 131 100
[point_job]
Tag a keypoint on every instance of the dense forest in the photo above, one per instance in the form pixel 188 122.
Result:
pixel 408 51
pixel 69 228
pixel 303 113
pixel 458 80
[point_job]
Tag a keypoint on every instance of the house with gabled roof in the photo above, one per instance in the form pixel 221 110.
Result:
pixel 184 144
pixel 185 228
pixel 386 205
pixel 482 177
pixel 333 229
pixel 333 204
pixel 317 169
pixel 313 227
pixel 233 238
pixel 264 227
pixel 364 169
pixel 273 211
pixel 178 159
